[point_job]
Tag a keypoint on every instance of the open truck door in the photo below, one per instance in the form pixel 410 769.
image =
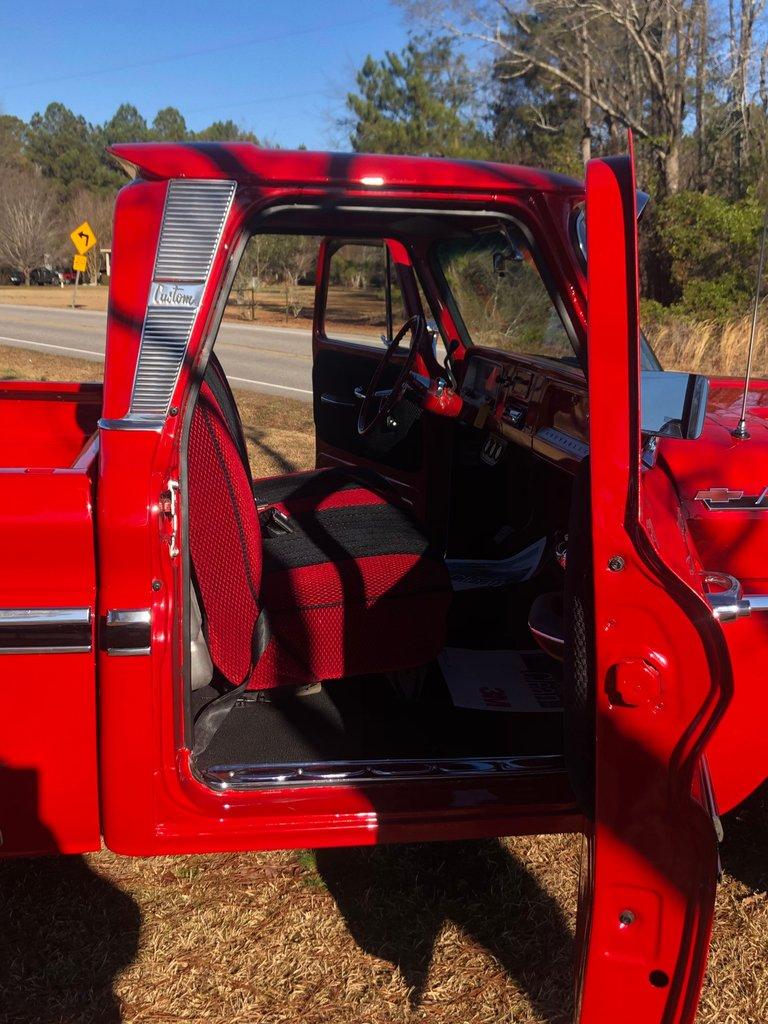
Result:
pixel 650 676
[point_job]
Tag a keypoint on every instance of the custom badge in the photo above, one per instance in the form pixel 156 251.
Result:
pixel 175 296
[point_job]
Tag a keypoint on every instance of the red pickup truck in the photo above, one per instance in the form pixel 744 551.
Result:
pixel 522 591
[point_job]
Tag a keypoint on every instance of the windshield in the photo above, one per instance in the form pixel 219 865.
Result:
pixel 499 297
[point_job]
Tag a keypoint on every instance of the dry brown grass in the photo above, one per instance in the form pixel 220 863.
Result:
pixel 708 347
pixel 23 364
pixel 463 933
pixel 88 297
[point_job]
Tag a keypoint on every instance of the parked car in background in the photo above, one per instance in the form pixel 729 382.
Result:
pixel 44 275
pixel 16 277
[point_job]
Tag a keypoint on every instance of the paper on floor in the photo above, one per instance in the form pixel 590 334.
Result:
pixel 477 573
pixel 500 680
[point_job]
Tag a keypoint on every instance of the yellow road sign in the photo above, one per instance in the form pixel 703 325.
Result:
pixel 80 263
pixel 83 238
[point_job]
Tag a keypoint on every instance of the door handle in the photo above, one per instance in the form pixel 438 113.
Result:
pixel 383 393
pixel 328 399
pixel 730 602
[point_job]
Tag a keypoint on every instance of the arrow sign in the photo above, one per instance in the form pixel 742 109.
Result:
pixel 83 238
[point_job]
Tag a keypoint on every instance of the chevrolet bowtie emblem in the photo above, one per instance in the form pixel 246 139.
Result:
pixel 724 498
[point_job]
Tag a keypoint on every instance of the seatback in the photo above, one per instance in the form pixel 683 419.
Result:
pixel 224 536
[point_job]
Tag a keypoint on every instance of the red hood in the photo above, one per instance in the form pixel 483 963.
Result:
pixel 717 459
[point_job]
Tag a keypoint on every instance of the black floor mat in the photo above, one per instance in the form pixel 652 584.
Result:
pixel 366 718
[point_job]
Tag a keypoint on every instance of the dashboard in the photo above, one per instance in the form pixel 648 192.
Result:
pixel 527 400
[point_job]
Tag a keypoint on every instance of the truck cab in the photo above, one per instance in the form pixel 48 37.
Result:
pixel 520 592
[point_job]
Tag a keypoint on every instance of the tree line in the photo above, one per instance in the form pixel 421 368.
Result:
pixel 55 172
pixel 553 82
pixel 540 82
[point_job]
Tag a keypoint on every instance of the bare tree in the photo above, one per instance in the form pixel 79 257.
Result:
pixel 627 60
pixel 743 19
pixel 28 213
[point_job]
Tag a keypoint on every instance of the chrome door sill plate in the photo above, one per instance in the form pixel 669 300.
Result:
pixel 324 773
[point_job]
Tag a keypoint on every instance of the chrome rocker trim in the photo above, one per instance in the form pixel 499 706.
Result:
pixel 127 632
pixel 45 631
pixel 324 773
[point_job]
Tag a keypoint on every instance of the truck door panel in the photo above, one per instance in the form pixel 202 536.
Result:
pixel 660 672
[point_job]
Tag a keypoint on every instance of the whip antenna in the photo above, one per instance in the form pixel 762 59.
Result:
pixel 741 429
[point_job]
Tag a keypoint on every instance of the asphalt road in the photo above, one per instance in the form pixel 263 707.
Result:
pixel 275 360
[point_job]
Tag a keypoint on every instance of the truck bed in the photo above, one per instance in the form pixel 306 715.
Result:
pixel 46 424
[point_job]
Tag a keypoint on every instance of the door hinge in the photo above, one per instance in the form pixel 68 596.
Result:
pixel 169 509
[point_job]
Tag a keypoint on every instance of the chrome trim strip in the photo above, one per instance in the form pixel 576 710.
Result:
pixel 193 222
pixel 132 423
pixel 45 631
pixel 244 777
pixel 127 632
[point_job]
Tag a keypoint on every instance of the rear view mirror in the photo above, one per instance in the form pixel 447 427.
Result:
pixel 673 404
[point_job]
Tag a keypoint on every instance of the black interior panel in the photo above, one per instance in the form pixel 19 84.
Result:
pixel 336 374
pixel 365 718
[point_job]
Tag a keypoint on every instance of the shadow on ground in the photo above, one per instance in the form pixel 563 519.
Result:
pixel 66 934
pixel 745 841
pixel 396 900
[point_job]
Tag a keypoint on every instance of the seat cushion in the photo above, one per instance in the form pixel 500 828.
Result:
pixel 299 494
pixel 353 588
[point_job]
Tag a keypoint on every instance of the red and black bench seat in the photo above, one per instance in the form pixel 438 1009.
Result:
pixel 341 582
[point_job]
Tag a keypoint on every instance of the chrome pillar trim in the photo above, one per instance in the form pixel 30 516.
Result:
pixel 45 630
pixel 193 221
pixel 261 776
pixel 133 423
pixel 127 632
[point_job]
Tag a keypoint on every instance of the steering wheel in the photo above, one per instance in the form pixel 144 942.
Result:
pixel 371 416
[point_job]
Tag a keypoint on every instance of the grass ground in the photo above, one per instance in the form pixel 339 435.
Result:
pixel 462 933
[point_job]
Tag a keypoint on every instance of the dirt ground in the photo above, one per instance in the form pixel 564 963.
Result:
pixel 463 933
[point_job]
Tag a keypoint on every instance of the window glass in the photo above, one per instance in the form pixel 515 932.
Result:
pixel 275 281
pixel 356 307
pixel 500 296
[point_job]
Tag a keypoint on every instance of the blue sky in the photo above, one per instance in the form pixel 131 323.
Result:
pixel 278 69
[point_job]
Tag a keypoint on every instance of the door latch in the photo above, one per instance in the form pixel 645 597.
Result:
pixel 169 509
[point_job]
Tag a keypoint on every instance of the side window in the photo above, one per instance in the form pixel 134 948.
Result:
pixel 498 293
pixel 356 306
